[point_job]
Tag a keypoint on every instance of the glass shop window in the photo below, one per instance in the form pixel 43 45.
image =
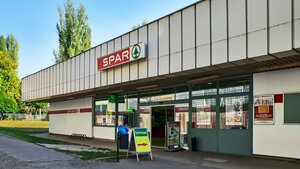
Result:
pixel 105 113
pixel 234 112
pixel 158 95
pixel 182 93
pixel 204 113
pixel 234 86
pixel 205 89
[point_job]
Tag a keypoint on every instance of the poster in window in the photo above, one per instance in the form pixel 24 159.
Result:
pixel 234 114
pixel 204 117
pixel 264 109
pixel 173 131
pixel 234 118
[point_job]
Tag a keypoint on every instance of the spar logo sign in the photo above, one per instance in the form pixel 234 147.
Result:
pixel 136 51
pixel 122 56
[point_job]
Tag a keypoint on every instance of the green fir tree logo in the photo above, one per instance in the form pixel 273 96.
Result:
pixel 136 51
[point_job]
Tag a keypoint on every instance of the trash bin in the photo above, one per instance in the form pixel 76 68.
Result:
pixel 123 136
pixel 194 144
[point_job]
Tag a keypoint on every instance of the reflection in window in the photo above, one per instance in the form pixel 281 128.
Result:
pixel 105 113
pixel 132 103
pixel 204 113
pixel 182 93
pixel 205 89
pixel 234 112
pixel 145 118
pixel 182 116
pixel 234 86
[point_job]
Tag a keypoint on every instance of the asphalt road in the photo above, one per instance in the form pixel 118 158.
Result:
pixel 17 154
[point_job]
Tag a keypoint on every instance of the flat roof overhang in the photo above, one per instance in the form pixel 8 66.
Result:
pixel 193 76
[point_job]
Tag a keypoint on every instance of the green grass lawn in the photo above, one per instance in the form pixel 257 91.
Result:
pixel 24 129
pixel 25 134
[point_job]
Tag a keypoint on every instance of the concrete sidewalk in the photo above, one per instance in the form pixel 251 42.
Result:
pixel 24 151
pixel 213 160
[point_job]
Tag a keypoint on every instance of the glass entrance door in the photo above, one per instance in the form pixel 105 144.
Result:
pixel 159 118
pixel 222 117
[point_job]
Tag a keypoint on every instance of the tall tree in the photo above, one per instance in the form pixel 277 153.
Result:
pixel 74 33
pixel 139 25
pixel 11 46
pixel 9 84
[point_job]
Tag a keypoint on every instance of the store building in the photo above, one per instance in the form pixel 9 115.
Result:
pixel 228 70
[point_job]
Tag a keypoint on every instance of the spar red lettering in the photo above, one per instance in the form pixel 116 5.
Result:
pixel 113 59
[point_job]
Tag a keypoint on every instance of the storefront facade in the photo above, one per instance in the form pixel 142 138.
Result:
pixel 204 66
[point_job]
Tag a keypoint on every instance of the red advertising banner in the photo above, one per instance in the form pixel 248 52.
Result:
pixel 181 109
pixel 264 109
pixel 122 56
pixel 114 59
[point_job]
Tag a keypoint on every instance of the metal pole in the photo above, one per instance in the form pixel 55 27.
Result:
pixel 116 127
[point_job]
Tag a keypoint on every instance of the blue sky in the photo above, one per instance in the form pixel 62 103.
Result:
pixel 33 22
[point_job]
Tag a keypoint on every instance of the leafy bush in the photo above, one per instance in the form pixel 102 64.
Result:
pixel 7 105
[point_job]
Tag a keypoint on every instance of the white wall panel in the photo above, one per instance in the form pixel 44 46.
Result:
pixel 43 83
pixel 236 17
pixel 125 67
pixel 77 70
pixel 104 72
pixel 118 69
pixel 61 77
pixel 54 80
pixel 219 52
pixel 37 85
pixel 280 35
pixel 280 38
pixel 31 88
pixel 65 77
pixel 87 70
pixel 237 29
pixel 188 21
pixel 175 42
pixel 133 65
pixel 54 77
pixel 297 24
pixel 81 72
pixel 257 15
pixel 92 68
pixel 237 48
pixel 57 79
pixel 68 76
pixel 280 11
pixel 73 74
pixel 46 82
pixel 143 65
pixel 219 31
pixel 51 81
pixel 110 76
pixel 98 73
pixel 37 79
pixel 257 24
pixel 152 49
pixel 203 34
pixel 163 46
pixel 110 71
pixel 107 133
